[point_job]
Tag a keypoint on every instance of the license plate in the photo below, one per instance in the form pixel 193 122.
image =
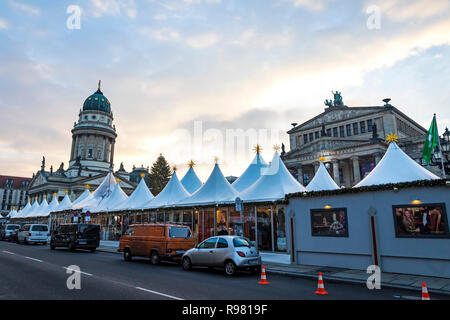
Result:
pixel 39 234
pixel 179 251
pixel 82 242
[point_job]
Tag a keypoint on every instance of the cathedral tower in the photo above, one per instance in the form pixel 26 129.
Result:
pixel 93 136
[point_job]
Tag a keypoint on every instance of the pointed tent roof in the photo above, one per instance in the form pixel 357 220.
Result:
pixel 24 211
pixel 275 182
pixel 33 209
pixel 251 174
pixel 86 193
pixel 51 206
pixel 140 196
pixel 42 208
pixel 322 180
pixel 11 214
pixel 117 197
pixel 216 190
pixel 103 191
pixel 172 193
pixel 64 204
pixel 395 167
pixel 190 181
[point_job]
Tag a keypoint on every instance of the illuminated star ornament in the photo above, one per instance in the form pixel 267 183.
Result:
pixel 191 164
pixel 142 175
pixel 88 186
pixel 322 159
pixel 216 159
pixel 257 148
pixel 118 180
pixel 174 168
pixel 276 147
pixel 392 138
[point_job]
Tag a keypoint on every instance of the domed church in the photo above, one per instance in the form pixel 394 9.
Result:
pixel 91 154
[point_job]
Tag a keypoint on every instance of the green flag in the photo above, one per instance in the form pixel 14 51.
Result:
pixel 431 142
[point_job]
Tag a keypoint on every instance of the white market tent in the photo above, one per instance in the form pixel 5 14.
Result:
pixel 100 194
pixel 395 167
pixel 275 182
pixel 86 194
pixel 11 214
pixel 65 204
pixel 117 198
pixel 51 206
pixel 251 174
pixel 190 181
pixel 34 208
pixel 216 190
pixel 172 193
pixel 322 180
pixel 42 208
pixel 140 196
pixel 23 211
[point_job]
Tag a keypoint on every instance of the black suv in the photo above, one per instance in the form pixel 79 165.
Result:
pixel 76 236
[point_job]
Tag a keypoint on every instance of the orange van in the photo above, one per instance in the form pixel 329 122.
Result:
pixel 156 241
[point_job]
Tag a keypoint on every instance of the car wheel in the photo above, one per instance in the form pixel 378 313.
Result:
pixel 92 250
pixel 127 255
pixel 52 246
pixel 187 265
pixel 71 246
pixel 154 257
pixel 230 268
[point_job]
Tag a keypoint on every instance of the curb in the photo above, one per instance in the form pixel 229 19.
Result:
pixel 338 279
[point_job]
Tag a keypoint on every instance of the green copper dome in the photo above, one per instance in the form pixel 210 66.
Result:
pixel 97 102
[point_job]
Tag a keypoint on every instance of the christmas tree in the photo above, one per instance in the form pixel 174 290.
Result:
pixel 159 175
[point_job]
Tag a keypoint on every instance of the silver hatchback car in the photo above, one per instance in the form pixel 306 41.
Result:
pixel 229 252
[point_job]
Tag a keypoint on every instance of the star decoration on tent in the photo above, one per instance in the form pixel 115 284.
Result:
pixel 216 159
pixel 174 168
pixel 321 159
pixel 67 191
pixel 88 186
pixel 118 180
pixel 191 164
pixel 392 138
pixel 142 175
pixel 276 147
pixel 55 194
pixel 257 148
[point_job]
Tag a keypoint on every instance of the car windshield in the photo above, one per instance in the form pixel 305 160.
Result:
pixel 89 228
pixel 39 228
pixel 12 227
pixel 241 242
pixel 179 232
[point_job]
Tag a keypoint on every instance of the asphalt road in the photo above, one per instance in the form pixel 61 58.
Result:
pixel 36 272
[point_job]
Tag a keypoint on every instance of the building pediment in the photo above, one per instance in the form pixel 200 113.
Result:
pixel 335 114
pixel 38 180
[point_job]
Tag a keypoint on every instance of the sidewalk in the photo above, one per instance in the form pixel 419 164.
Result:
pixel 395 280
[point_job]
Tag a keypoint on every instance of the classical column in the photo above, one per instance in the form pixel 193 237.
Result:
pixel 112 154
pixel 377 158
pixel 300 174
pixel 73 149
pixel 316 166
pixel 356 171
pixel 336 178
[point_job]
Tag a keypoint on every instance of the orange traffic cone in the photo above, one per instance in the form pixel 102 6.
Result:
pixel 320 287
pixel 263 277
pixel 425 295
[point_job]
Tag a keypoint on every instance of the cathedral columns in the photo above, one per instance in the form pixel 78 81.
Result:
pixel 111 161
pixel 336 178
pixel 377 158
pixel 356 170
pixel 300 174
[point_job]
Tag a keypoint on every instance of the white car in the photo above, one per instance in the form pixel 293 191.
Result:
pixel 5 230
pixel 33 233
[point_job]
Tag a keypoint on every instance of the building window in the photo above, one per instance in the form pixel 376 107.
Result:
pixel 335 132
pixel 329 132
pixel 363 126
pixel 349 130
pixel 369 125
pixel 94 117
pixel 355 128
pixel 341 131
pixel 316 135
pixel 305 138
pixel 311 137
pixel 89 155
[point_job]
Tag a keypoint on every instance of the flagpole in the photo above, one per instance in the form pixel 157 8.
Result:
pixel 440 150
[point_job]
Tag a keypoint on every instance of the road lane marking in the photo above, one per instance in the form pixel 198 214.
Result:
pixel 85 273
pixel 30 258
pixel 159 293
pixel 8 252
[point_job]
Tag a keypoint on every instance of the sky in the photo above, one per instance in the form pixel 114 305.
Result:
pixel 186 77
